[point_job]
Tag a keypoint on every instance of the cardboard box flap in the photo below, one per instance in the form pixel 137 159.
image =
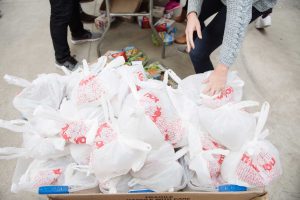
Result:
pixel 167 196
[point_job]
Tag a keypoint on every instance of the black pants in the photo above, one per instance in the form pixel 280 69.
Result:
pixel 212 34
pixel 64 13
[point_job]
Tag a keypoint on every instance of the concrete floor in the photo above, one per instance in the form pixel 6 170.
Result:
pixel 269 63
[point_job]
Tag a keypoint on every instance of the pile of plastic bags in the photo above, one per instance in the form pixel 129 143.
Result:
pixel 107 125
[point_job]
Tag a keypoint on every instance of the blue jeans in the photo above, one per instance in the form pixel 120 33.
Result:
pixel 212 34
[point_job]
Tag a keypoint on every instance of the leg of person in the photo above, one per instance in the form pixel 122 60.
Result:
pixel 86 18
pixel 212 35
pixel 61 13
pixel 79 34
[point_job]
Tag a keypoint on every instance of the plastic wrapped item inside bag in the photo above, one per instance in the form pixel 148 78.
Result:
pixel 257 163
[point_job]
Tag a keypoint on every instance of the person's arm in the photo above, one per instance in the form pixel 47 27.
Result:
pixel 194 6
pixel 239 14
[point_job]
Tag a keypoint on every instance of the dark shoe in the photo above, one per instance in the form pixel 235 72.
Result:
pixel 70 64
pixel 87 18
pixel 86 37
pixel 86 1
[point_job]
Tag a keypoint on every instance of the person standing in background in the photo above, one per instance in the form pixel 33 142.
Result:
pixel 227 29
pixel 64 14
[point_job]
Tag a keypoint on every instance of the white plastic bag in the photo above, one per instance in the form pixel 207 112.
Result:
pixel 193 87
pixel 132 118
pixel 73 130
pixel 158 106
pixel 116 185
pixel 91 88
pixel 41 173
pixel 229 125
pixel 34 145
pixel 204 159
pixel 81 153
pixel 78 180
pixel 257 163
pixel 113 154
pixel 161 172
pixel 46 90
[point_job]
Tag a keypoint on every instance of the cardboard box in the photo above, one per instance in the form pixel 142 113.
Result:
pixel 249 195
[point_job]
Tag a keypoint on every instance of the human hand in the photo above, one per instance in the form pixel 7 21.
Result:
pixel 216 81
pixel 193 25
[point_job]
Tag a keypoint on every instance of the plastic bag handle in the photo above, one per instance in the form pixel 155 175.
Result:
pixel 117 62
pixel 7 153
pixel 173 75
pixel 99 65
pixel 262 119
pixel 86 69
pixel 130 81
pixel 18 126
pixel 242 104
pixel 180 153
pixel 14 80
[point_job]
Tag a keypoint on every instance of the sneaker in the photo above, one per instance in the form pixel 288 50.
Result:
pixel 263 22
pixel 70 64
pixel 87 18
pixel 86 37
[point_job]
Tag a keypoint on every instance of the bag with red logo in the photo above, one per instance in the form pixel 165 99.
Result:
pixel 204 159
pixel 46 90
pixel 257 163
pixel 72 129
pixel 138 74
pixel 193 87
pixel 133 117
pixel 113 154
pixel 29 176
pixel 230 125
pixel 91 88
pixel 157 105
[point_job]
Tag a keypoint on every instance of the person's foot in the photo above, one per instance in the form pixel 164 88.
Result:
pixel 70 64
pixel 263 22
pixel 181 39
pixel 86 37
pixel 85 1
pixel 87 18
pixel 182 48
